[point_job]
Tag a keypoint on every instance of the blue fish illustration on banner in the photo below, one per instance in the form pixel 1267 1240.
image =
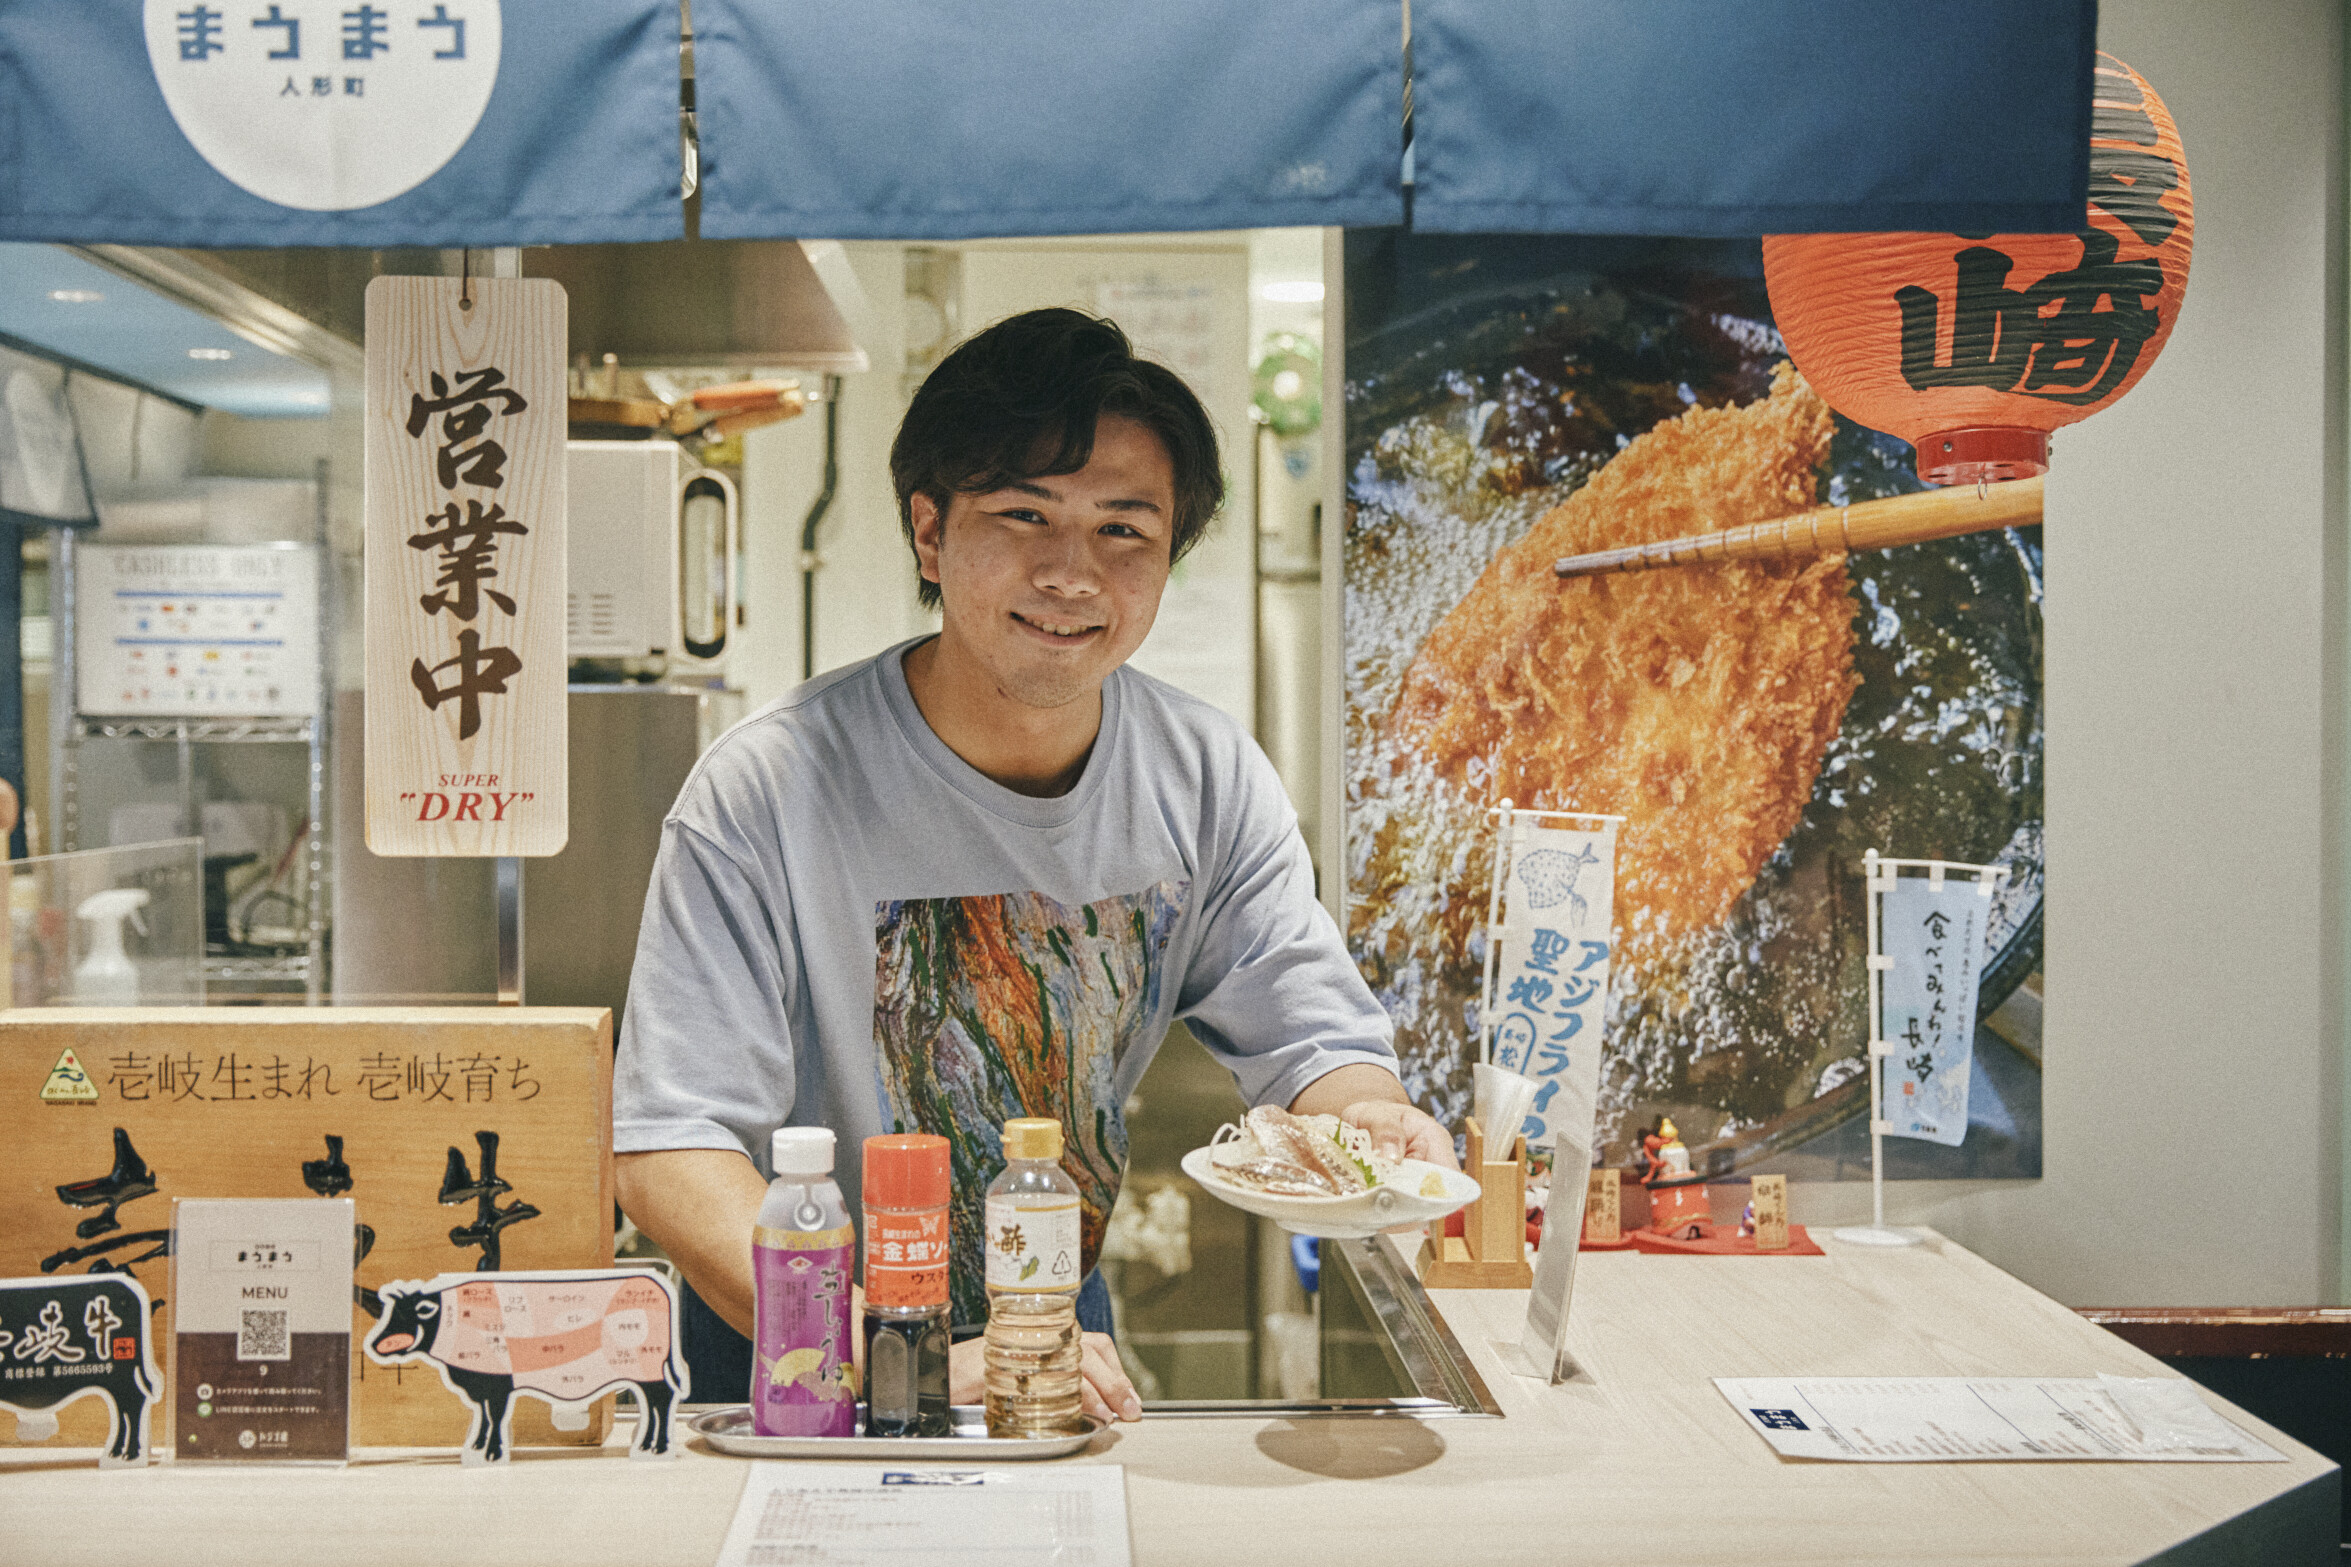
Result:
pixel 1547 1002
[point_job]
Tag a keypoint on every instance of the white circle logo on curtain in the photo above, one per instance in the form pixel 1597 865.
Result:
pixel 325 105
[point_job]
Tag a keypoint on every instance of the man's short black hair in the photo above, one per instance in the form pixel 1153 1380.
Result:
pixel 1020 401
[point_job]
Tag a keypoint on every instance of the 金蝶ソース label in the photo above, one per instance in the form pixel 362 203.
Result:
pixel 906 1257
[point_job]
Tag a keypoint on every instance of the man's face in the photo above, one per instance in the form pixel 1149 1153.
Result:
pixel 1049 584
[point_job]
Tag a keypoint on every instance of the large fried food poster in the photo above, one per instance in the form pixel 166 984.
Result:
pixel 1511 400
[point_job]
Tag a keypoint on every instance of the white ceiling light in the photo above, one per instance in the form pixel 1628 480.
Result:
pixel 212 353
pixel 77 296
pixel 1304 292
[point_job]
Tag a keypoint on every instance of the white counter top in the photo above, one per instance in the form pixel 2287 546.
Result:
pixel 1638 1460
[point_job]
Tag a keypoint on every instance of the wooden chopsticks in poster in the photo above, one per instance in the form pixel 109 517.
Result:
pixel 1865 525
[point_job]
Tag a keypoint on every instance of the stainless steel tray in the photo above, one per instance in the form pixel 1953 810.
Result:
pixel 729 1430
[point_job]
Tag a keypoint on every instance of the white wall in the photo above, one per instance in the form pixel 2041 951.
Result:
pixel 1204 639
pixel 865 590
pixel 2194 1045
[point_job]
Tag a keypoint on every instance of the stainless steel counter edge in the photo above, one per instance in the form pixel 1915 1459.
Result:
pixel 1445 1384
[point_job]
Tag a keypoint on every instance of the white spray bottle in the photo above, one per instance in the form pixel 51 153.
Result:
pixel 106 978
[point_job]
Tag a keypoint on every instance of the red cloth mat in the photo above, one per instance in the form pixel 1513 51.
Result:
pixel 1799 1243
pixel 1623 1242
pixel 1734 1245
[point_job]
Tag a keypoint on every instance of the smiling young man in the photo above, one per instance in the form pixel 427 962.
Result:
pixel 980 875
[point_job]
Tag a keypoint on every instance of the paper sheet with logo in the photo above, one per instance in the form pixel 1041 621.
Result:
pixel 1961 1419
pixel 889 1515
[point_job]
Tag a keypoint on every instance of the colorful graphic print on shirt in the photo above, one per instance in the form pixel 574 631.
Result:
pixel 1011 1004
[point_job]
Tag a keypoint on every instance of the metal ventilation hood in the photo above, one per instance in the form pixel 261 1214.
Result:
pixel 749 304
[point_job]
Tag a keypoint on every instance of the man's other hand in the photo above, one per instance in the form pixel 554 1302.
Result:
pixel 1370 1097
pixel 1403 1132
pixel 1103 1383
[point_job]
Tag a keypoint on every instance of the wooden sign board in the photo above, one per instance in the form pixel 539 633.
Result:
pixel 1770 1197
pixel 1603 1211
pixel 465 604
pixel 494 1122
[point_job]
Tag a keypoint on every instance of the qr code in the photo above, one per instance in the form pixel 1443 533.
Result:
pixel 261 1335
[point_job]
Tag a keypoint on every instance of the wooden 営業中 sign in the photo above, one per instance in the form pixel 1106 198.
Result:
pixel 467 1138
pixel 465 748
pixel 1769 1194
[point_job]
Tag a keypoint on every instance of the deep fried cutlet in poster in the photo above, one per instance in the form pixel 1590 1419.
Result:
pixel 1515 399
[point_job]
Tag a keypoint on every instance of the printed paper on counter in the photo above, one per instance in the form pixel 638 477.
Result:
pixel 1971 1419
pixel 890 1515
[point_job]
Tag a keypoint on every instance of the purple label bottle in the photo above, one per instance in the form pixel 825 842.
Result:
pixel 803 1259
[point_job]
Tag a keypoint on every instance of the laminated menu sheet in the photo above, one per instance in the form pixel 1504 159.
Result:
pixel 1963 1419
pixel 883 1515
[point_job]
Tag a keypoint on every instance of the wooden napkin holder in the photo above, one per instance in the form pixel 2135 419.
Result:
pixel 1491 1251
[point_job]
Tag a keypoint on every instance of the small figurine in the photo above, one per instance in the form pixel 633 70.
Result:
pixel 1677 1198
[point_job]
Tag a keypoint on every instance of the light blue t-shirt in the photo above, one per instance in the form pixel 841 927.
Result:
pixel 851 927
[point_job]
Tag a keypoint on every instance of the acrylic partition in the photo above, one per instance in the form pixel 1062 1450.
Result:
pixel 108 927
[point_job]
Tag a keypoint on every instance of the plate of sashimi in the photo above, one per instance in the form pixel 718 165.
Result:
pixel 1318 1175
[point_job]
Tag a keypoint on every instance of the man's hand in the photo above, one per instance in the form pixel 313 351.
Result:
pixel 1403 1132
pixel 1370 1097
pixel 1102 1381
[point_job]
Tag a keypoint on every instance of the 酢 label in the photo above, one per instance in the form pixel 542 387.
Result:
pixel 1034 1249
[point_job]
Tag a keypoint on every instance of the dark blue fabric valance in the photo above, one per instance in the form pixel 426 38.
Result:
pixel 953 119
pixel 501 122
pixel 337 122
pixel 1743 117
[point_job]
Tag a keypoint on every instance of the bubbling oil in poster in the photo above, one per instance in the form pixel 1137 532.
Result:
pixel 1736 1007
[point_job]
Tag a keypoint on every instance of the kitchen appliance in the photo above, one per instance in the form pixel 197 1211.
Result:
pixel 653 548
pixel 623 548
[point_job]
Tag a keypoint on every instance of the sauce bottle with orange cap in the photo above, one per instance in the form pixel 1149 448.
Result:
pixel 907 1181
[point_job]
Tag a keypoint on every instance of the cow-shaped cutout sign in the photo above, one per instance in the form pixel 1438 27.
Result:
pixel 63 1338
pixel 564 1337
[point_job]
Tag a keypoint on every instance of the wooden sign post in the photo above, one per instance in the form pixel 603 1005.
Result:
pixel 466 734
pixel 1603 1207
pixel 1770 1196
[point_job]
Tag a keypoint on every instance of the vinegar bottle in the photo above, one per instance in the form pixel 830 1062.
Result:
pixel 803 1258
pixel 1035 1265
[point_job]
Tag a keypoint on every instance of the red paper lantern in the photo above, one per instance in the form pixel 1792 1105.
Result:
pixel 1974 347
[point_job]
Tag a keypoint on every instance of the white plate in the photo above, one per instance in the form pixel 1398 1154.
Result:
pixel 1344 1218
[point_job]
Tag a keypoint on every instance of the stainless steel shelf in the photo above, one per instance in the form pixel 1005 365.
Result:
pixel 292 968
pixel 293 730
pixel 68 730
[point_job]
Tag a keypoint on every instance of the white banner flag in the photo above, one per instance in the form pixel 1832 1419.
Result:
pixel 1935 936
pixel 1550 996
